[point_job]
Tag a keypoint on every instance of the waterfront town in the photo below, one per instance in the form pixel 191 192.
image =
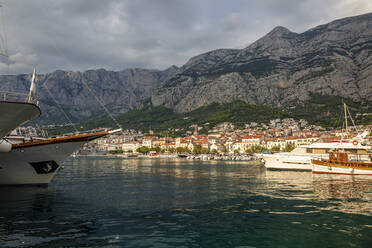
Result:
pixel 277 135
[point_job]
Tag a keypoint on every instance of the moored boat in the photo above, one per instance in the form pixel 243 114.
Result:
pixel 340 163
pixel 37 161
pixel 300 158
pixel 32 160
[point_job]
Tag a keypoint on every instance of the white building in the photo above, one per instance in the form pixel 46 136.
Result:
pixel 147 141
pixel 130 146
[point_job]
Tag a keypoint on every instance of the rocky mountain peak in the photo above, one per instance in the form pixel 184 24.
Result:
pixel 280 39
pixel 280 68
pixel 279 31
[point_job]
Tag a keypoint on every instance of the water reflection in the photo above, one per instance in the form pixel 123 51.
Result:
pixel 350 194
pixel 288 185
pixel 35 215
pixel 170 203
pixel 345 193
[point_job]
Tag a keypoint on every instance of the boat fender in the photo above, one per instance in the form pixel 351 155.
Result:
pixel 5 146
pixel 355 142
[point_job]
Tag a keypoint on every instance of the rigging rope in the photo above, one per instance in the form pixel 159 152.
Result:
pixel 90 90
pixel 351 118
pixel 59 106
pixel 103 106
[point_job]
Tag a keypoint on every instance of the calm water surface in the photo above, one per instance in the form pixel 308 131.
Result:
pixel 181 203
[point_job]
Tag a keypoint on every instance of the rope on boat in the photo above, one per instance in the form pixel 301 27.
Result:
pixel 103 106
pixel 351 118
pixel 59 106
pixel 86 85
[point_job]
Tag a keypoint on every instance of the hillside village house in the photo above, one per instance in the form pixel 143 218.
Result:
pixel 113 147
pixel 168 146
pixel 246 142
pixel 291 140
pixel 159 142
pixel 228 140
pixel 218 147
pixel 147 141
pixel 130 146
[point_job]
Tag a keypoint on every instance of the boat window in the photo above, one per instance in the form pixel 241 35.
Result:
pixel 309 150
pixel 319 151
pixel 361 151
pixel 352 150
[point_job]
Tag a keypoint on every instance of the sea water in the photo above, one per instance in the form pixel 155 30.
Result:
pixel 101 202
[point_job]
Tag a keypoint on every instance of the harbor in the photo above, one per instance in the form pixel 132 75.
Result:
pixel 186 124
pixel 108 202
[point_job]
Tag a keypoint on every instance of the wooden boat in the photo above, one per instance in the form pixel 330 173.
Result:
pixel 339 163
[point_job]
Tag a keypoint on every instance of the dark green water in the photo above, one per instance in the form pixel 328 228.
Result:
pixel 181 203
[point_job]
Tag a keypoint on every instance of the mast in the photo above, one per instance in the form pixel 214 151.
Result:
pixel 32 88
pixel 347 131
pixel 4 55
pixel 3 38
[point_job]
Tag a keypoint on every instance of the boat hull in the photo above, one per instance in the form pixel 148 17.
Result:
pixel 290 162
pixel 35 165
pixel 344 170
pixel 36 162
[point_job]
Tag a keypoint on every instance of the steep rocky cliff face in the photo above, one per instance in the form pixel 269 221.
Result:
pixel 279 69
pixel 119 91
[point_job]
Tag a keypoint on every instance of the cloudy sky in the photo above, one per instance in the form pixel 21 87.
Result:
pixel 154 34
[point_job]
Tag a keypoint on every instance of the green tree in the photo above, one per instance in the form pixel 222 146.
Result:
pixel 275 149
pixel 197 149
pixel 236 151
pixel 116 151
pixel 143 149
pixel 180 149
pixel 214 151
pixel 255 149
pixel 157 149
pixel 204 150
pixel 249 150
pixel 289 148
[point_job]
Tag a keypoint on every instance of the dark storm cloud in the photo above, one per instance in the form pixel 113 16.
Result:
pixel 89 34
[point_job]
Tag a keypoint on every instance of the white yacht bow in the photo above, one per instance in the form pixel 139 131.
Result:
pixel 14 114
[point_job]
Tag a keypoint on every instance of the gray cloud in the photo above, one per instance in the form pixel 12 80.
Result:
pixel 114 34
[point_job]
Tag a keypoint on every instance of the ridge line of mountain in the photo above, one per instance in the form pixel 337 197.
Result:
pixel 281 69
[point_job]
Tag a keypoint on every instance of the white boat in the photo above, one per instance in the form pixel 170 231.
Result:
pixel 300 158
pixel 32 160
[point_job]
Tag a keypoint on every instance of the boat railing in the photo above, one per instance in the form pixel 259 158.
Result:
pixel 8 96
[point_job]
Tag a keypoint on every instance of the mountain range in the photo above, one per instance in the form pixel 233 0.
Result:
pixel 120 91
pixel 282 69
